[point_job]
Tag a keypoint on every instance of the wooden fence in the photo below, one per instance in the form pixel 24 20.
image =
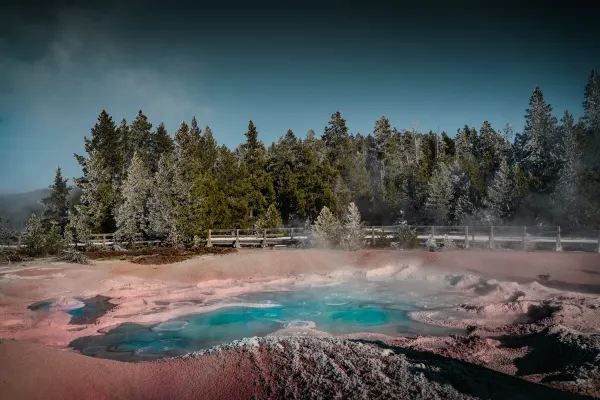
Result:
pixel 472 236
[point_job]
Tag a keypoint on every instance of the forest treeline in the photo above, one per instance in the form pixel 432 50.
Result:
pixel 140 181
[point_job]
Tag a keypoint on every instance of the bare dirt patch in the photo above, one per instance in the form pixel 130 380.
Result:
pixel 155 255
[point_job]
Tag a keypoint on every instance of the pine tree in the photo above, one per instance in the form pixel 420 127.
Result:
pixel 501 194
pixel 105 143
pixel 540 148
pixel 78 229
pixel 140 137
pixel 439 195
pixel 491 149
pixel 352 229
pixel 327 228
pixel 132 215
pixel 162 144
pixel 271 219
pixel 208 150
pixel 34 237
pixel 337 142
pixel 461 203
pixel 162 202
pixel 591 103
pixel 98 197
pixel 102 172
pixel 56 204
pixel 590 148
pixel 253 154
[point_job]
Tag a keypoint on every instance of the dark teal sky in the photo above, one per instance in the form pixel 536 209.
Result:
pixel 430 66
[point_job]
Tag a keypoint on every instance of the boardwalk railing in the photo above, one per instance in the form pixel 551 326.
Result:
pixel 471 236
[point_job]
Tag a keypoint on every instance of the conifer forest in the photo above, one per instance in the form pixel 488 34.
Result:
pixel 139 180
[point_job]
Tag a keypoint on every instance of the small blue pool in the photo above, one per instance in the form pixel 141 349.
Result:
pixel 336 309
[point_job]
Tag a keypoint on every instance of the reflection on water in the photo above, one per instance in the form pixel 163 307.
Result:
pixel 364 307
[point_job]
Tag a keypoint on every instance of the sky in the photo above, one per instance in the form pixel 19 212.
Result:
pixel 425 65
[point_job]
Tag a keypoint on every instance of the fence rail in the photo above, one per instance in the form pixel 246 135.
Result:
pixel 471 236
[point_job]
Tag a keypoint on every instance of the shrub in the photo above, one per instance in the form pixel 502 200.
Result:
pixel 431 244
pixel 449 243
pixel 406 236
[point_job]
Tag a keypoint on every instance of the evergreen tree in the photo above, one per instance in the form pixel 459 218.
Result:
pixel 337 142
pixel 78 229
pixel 327 228
pixel 439 195
pixel 208 150
pixel 591 102
pixel 271 219
pixel 105 143
pixel 56 204
pixel 461 203
pixel 491 150
pixel 501 194
pixel 102 172
pixel 162 202
pixel 352 229
pixel 253 154
pixel 162 144
pixel 34 237
pixel 98 195
pixel 140 138
pixel 590 148
pixel 132 215
pixel 541 159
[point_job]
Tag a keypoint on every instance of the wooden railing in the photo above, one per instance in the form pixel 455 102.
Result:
pixel 472 236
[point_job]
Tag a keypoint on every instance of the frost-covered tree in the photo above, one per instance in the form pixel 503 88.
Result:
pixel 352 229
pixel 56 203
pixel 461 204
pixel 590 148
pixel 162 202
pixel 78 229
pixel 541 149
pixel 132 215
pixel 102 172
pixel 98 195
pixel 591 102
pixel 327 228
pixel 271 219
pixel 501 193
pixel 565 197
pixel 140 138
pixel 439 194
pixel 34 237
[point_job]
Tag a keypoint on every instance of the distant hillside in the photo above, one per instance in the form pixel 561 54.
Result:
pixel 16 208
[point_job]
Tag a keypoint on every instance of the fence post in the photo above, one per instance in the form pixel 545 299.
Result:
pixel 598 240
pixel 19 241
pixel 291 233
pixel 491 236
pixel 558 242
pixel 236 244
pixel 466 236
pixel 209 239
pixel 263 242
pixel 372 236
pixel 433 231
pixel 524 237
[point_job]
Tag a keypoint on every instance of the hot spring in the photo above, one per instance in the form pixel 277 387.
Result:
pixel 360 306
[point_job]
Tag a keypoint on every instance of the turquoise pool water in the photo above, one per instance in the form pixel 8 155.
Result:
pixel 336 309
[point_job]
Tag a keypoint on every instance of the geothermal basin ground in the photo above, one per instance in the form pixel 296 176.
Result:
pixel 301 323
